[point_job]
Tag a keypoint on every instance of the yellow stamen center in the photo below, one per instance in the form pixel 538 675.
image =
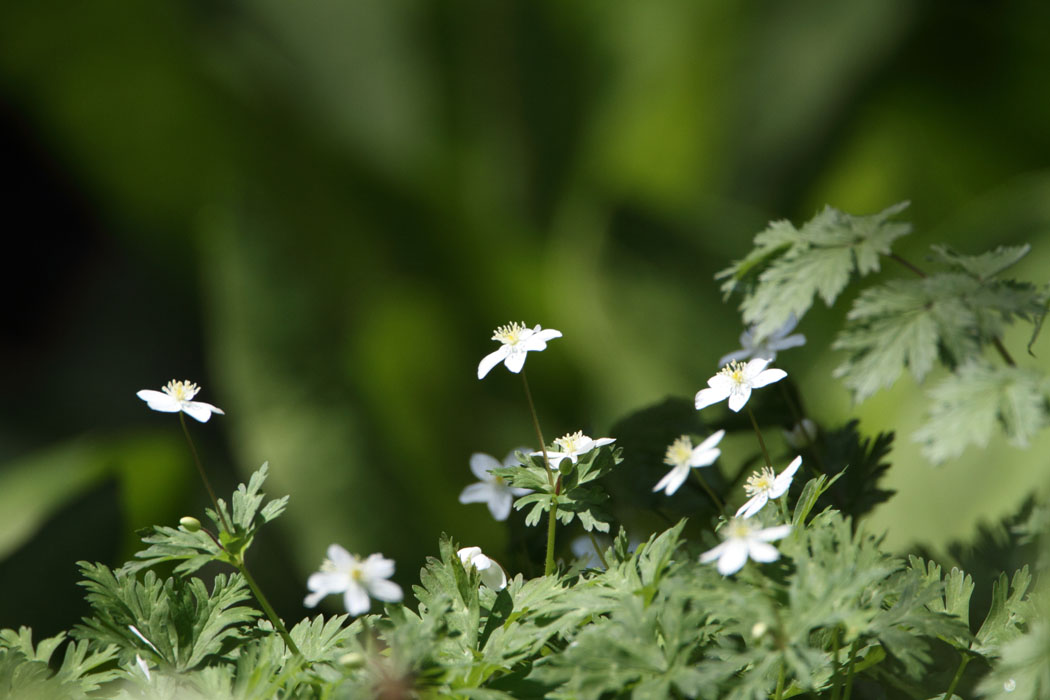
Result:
pixel 181 391
pixel 570 442
pixel 760 481
pixel 509 334
pixel 735 371
pixel 680 452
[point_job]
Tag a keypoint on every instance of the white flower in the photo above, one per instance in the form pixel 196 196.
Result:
pixel 492 574
pixel 517 340
pixel 683 456
pixel 572 446
pixel 175 397
pixel 346 573
pixel 743 540
pixel 762 486
pixel 768 347
pixel 735 382
pixel 492 490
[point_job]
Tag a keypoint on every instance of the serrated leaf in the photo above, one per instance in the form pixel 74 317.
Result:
pixel 1009 613
pixel 789 267
pixel 966 406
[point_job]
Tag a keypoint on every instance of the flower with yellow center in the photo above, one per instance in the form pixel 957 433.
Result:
pixel 742 541
pixel 682 456
pixel 177 396
pixel 492 490
pixel 764 485
pixel 356 579
pixel 517 339
pixel 735 382
pixel 572 446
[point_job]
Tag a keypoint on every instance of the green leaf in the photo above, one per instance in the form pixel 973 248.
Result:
pixel 985 266
pixel 789 267
pixel 966 406
pixel 1009 613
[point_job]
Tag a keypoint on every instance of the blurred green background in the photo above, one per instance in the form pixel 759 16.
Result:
pixel 320 210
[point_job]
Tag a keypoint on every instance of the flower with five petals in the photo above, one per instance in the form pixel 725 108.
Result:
pixel 763 486
pixel 177 396
pixel 683 457
pixel 517 339
pixel 572 446
pixel 492 490
pixel 735 382
pixel 356 579
pixel 742 541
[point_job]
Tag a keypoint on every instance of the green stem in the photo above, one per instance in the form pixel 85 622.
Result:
pixel 796 412
pixel 710 491
pixel 204 477
pixel 958 675
pixel 267 608
pixel 849 671
pixel 836 683
pixel 548 565
pixel 597 549
pixel 780 682
pixel 758 433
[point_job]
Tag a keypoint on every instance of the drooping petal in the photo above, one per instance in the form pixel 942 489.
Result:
pixel 672 480
pixel 710 396
pixel 763 551
pixel 159 401
pixel 515 361
pixel 198 410
pixel 738 398
pixel 477 493
pixel 385 590
pixel 482 464
pixel 356 599
pixel 753 505
pixel 494 576
pixel 499 504
pixel 491 360
pixel 733 558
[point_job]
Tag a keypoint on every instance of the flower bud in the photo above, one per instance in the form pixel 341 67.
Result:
pixel 190 524
pixel 352 659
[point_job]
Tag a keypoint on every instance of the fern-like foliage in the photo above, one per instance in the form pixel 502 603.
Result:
pixel 194 549
pixel 175 622
pixel 26 669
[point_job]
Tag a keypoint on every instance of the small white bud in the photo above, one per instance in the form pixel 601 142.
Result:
pixel 190 524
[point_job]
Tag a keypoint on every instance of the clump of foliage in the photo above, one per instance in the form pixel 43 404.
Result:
pixel 828 613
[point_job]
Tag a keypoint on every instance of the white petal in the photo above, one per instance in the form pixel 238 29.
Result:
pixel 733 557
pixel 326 582
pixel 314 598
pixel 546 334
pixel 159 401
pixel 710 442
pixel 494 577
pixel 772 533
pixel 339 556
pixel 499 505
pixel 738 399
pixel 722 383
pixel 754 367
pixel 199 410
pixel 378 566
pixel 356 599
pixel 707 397
pixel 388 591
pixel 491 360
pixel 712 554
pixel 602 442
pixel 481 464
pixel 672 480
pixel 763 552
pixel 477 493
pixel 555 458
pixel 466 555
pixel 753 505
pixel 783 481
pixel 768 377
pixel 515 361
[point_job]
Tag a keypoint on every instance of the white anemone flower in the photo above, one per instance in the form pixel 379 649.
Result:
pixel 742 541
pixel 177 396
pixel 492 490
pixel 765 348
pixel 517 340
pixel 492 574
pixel 682 456
pixel 573 445
pixel 735 382
pixel 356 579
pixel 763 486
